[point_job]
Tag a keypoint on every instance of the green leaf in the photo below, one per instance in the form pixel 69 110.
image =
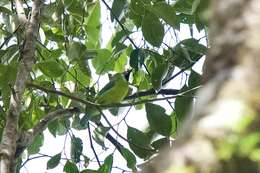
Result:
pixel 76 50
pixel 158 74
pixel 54 161
pixel 7 75
pixel 77 75
pixel 140 143
pixel 6 93
pixel 117 8
pixel 113 92
pixel 83 65
pixel 184 6
pixel 195 5
pixel 79 123
pixel 76 149
pixel 36 145
pixel 7 78
pixel 92 114
pixel 103 62
pixel 10 53
pixel 5 10
pixel 158 119
pixel 249 143
pixel 183 104
pixel 119 37
pixel 136 59
pixel 107 166
pixel 51 13
pixel 64 100
pixel 118 49
pixel 70 167
pixel 194 79
pixel 63 126
pixel 152 29
pixel 167 13
pixel 175 122
pixel 75 7
pixel 187 52
pixel 100 134
pixel 130 158
pixel 121 62
pixel 52 127
pixel 4 2
pixel 57 37
pixel 136 18
pixel 114 111
pixel 92 26
pixel 160 143
pixel 51 68
pixel 37 113
pixel 137 6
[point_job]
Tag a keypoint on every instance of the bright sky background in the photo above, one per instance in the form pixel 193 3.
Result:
pixel 135 118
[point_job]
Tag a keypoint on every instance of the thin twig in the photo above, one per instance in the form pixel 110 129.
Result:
pixel 130 142
pixel 31 158
pixel 115 143
pixel 181 71
pixel 92 146
pixel 9 37
pixel 152 92
pixel 32 85
pixel 120 24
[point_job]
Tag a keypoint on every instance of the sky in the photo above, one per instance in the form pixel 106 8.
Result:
pixel 135 118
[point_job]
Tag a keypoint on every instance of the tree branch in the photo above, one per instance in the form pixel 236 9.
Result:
pixel 27 138
pixel 51 117
pixel 32 85
pixel 92 146
pixel 20 12
pixel 115 143
pixel 122 137
pixel 114 104
pixel 152 92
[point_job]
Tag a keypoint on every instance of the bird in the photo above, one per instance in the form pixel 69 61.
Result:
pixel 114 91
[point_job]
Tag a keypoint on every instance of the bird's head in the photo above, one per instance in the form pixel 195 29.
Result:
pixel 119 76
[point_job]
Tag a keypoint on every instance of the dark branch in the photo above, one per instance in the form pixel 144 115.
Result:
pixel 32 85
pixel 92 146
pixel 181 71
pixel 115 143
pixel 122 137
pixel 152 92
pixel 26 138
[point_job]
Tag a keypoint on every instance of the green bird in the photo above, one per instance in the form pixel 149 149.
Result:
pixel 113 92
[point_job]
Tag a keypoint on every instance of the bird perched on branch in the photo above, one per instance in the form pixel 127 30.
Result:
pixel 113 92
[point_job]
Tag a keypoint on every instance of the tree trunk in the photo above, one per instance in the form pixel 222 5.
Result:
pixel 227 109
pixel 10 135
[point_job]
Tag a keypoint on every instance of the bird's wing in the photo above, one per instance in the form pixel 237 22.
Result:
pixel 107 87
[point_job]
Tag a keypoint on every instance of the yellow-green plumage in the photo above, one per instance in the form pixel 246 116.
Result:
pixel 113 92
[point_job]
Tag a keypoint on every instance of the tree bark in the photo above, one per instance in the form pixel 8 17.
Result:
pixel 11 134
pixel 227 108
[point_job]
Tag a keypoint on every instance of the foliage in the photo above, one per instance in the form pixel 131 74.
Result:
pixel 71 63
